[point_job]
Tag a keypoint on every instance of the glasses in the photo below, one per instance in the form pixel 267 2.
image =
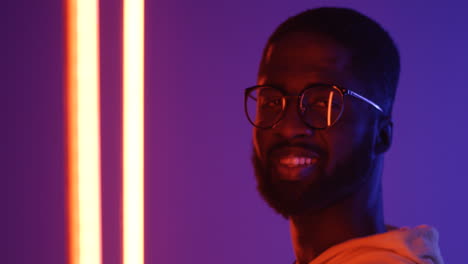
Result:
pixel 319 105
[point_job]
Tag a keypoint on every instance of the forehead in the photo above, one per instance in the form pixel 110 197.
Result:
pixel 304 57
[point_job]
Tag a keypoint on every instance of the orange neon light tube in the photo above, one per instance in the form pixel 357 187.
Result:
pixel 133 132
pixel 82 133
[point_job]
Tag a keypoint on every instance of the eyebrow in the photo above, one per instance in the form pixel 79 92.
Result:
pixel 308 85
pixel 309 68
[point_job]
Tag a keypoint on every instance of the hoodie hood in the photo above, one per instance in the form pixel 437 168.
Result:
pixel 404 245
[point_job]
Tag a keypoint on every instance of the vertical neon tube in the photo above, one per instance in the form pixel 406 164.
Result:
pixel 133 132
pixel 82 125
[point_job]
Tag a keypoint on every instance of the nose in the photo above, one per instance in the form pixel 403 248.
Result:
pixel 291 126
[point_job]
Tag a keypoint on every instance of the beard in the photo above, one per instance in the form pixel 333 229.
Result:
pixel 290 198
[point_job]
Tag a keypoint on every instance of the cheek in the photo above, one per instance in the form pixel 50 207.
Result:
pixel 256 135
pixel 348 138
pixel 260 141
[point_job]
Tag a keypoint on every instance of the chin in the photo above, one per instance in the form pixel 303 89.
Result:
pixel 298 197
pixel 286 198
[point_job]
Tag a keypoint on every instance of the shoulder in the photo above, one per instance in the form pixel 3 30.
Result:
pixel 418 245
pixel 365 255
pixel 378 256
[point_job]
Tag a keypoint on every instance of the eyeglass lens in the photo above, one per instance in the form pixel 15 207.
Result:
pixel 320 107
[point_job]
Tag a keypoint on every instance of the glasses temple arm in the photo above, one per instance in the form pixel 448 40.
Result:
pixel 364 99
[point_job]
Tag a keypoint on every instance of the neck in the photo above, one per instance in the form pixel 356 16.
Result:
pixel 359 215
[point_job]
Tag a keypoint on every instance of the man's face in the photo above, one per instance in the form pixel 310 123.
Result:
pixel 329 163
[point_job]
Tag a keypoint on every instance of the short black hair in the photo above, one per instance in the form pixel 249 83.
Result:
pixel 375 57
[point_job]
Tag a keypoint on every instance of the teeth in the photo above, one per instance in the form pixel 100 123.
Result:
pixel 296 161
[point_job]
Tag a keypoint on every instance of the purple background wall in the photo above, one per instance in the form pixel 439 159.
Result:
pixel 201 202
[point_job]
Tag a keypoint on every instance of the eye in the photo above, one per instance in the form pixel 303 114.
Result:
pixel 271 102
pixel 317 103
pixel 320 104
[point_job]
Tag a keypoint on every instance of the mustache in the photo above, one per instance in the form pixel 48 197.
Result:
pixel 304 145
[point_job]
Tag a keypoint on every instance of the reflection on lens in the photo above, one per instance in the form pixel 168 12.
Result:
pixel 264 106
pixel 321 106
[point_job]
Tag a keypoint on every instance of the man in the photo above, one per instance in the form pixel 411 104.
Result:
pixel 321 112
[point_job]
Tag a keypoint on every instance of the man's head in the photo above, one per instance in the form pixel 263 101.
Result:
pixel 300 167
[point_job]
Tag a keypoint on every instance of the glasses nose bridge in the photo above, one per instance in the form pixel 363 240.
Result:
pixel 292 110
pixel 292 103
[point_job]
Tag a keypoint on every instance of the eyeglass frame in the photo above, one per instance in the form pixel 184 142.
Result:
pixel 300 96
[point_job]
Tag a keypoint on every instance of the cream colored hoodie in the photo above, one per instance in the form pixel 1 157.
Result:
pixel 405 245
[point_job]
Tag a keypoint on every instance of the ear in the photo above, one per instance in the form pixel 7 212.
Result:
pixel 384 136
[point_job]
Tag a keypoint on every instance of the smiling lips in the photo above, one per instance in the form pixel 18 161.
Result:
pixel 294 163
pixel 297 161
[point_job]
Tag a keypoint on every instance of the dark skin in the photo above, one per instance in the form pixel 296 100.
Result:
pixel 340 198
